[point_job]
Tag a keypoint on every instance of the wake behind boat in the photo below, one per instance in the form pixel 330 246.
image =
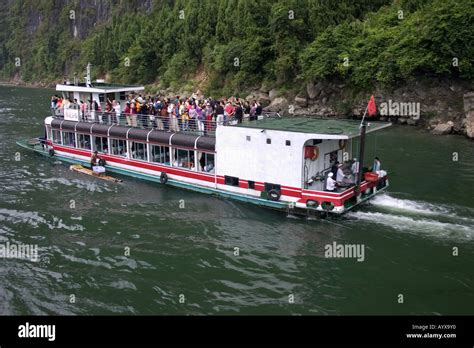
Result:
pixel 302 165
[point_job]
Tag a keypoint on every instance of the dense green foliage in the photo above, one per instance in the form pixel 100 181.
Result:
pixel 239 43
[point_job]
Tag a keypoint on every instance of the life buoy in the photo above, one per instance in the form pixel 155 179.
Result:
pixel 51 152
pixel 315 154
pixel 274 195
pixel 163 178
pixel 327 206
pixel 342 144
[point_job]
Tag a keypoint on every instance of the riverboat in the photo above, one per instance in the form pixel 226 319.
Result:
pixel 275 162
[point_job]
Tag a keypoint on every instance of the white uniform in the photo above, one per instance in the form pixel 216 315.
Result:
pixel 330 184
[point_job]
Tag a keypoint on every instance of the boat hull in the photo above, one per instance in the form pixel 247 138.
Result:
pixel 292 208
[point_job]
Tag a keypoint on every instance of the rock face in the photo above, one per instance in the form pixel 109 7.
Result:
pixel 258 95
pixel 279 105
pixel 468 121
pixel 301 102
pixel 273 94
pixel 443 128
pixel 313 90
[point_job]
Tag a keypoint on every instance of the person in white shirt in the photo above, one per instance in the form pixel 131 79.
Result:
pixel 117 110
pixel 340 175
pixel 355 169
pixel 377 165
pixel 330 182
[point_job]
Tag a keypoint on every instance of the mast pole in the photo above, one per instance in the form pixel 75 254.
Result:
pixel 361 149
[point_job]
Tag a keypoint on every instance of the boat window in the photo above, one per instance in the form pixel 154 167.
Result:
pixel 160 154
pixel 56 136
pixel 138 151
pixel 123 96
pixel 183 158
pixel 69 139
pixel 206 162
pixel 251 185
pixel 231 180
pixel 288 143
pixel 101 144
pixel 84 141
pixel 248 137
pixel 119 147
pixel 269 141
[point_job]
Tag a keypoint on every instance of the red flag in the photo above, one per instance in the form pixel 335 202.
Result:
pixel 371 109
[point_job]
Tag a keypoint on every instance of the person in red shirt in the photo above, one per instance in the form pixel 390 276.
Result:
pixel 229 111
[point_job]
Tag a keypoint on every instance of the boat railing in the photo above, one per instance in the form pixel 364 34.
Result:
pixel 167 123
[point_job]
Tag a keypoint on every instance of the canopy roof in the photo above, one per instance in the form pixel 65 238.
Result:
pixel 98 87
pixel 329 127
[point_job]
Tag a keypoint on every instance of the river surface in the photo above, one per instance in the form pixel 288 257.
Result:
pixel 182 261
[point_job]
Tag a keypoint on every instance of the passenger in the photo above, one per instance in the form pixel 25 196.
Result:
pixel 117 111
pixel 82 108
pixel 220 114
pixel 164 118
pixel 209 112
pixel 239 113
pixel 133 111
pixel 377 165
pixel 253 111
pixel 54 101
pixel 193 115
pixel 258 110
pixel 330 182
pixel 334 168
pixel 228 113
pixel 127 112
pixel 95 159
pixel 200 119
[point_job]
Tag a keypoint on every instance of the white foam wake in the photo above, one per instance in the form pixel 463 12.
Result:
pixel 424 208
pixel 421 225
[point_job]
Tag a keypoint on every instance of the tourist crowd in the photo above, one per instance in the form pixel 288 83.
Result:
pixel 171 114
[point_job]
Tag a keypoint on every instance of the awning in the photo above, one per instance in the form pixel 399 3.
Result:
pixel 68 125
pixel 206 143
pixel 186 140
pixel 100 129
pixel 138 134
pixel 84 127
pixel 118 132
pixel 56 123
pixel 162 137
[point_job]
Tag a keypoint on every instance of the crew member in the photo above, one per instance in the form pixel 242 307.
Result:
pixel 330 182
pixel 377 165
pixel 340 176
pixel 355 169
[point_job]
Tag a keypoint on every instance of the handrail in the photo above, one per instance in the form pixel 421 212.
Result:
pixel 166 123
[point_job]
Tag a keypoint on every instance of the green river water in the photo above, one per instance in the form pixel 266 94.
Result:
pixel 409 234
